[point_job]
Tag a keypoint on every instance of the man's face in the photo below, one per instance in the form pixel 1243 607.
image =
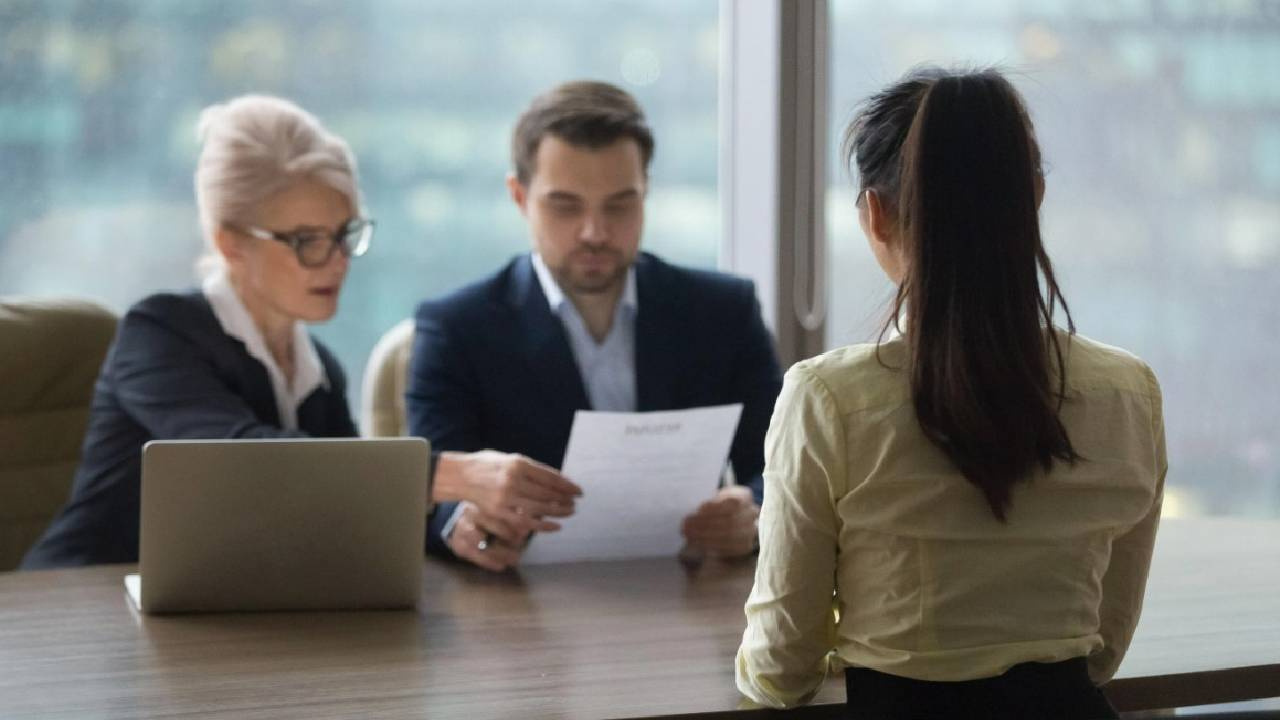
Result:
pixel 585 210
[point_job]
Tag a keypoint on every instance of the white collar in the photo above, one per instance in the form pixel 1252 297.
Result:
pixel 235 320
pixel 556 297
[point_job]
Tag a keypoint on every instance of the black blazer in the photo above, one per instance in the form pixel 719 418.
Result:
pixel 492 367
pixel 171 373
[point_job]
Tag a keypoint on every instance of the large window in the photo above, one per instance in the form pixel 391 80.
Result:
pixel 1160 122
pixel 99 98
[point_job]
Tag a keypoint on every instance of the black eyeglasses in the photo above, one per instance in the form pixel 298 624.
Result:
pixel 315 247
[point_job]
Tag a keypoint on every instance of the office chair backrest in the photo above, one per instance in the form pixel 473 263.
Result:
pixel 50 354
pixel 382 411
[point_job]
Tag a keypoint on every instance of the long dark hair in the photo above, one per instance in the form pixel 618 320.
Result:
pixel 952 155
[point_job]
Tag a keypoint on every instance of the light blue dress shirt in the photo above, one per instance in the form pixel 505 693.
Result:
pixel 608 368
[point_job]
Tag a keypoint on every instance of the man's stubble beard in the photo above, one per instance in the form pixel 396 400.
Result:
pixel 611 282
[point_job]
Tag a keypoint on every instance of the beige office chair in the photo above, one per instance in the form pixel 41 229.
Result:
pixel 50 354
pixel 385 377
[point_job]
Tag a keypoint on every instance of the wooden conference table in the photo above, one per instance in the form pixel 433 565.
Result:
pixel 598 640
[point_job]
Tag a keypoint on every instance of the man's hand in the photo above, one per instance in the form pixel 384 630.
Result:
pixel 510 490
pixel 474 526
pixel 724 525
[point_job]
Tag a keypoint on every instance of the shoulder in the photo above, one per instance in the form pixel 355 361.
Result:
pixel 1093 365
pixel 474 301
pixel 179 314
pixel 858 378
pixel 692 284
pixel 706 303
pixel 166 331
pixel 173 306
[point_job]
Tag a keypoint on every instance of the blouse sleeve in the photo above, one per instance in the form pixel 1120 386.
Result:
pixel 790 631
pixel 1125 581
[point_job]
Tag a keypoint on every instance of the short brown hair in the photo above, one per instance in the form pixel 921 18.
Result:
pixel 584 113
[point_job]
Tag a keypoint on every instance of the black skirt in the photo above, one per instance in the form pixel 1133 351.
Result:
pixel 1046 691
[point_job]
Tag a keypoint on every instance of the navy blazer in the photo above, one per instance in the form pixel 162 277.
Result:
pixel 492 367
pixel 171 373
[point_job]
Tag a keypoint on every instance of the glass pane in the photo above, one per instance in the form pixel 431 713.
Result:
pixel 98 103
pixel 1161 126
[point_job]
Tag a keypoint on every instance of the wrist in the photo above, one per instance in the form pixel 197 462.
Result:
pixel 446 532
pixel 450 483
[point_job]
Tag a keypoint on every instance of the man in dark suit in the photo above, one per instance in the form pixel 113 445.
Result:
pixel 587 321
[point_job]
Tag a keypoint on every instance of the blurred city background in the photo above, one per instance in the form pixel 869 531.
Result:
pixel 1159 120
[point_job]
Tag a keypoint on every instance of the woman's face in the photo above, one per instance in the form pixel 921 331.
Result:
pixel 267 272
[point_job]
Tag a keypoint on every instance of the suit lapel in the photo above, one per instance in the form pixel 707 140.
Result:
pixel 550 360
pixel 653 324
pixel 257 390
pixel 316 416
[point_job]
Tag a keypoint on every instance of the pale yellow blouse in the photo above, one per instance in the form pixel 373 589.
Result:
pixel 875 551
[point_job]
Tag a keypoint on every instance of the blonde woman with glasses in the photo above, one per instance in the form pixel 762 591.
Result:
pixel 280 213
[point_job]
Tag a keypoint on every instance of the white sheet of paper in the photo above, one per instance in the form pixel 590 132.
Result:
pixel 640 474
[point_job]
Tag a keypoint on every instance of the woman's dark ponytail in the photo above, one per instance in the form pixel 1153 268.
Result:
pixel 978 326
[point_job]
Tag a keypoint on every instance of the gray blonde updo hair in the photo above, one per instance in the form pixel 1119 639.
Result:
pixel 253 147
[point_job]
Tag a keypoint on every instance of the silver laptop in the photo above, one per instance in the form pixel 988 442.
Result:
pixel 315 524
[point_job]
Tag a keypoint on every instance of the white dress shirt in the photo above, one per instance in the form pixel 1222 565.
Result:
pixel 308 371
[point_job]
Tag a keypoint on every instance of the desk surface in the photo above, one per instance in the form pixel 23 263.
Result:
pixel 627 639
